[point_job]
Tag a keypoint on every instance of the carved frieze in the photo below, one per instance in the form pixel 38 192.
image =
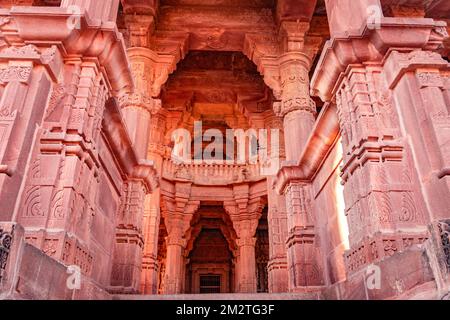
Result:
pixel 374 249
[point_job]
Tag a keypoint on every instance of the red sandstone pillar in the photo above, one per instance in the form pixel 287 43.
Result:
pixel 247 265
pixel 146 128
pixel 245 214
pixel 299 111
pixel 392 106
pixel 177 213
pixel 139 106
pixel 305 271
pixel 296 108
pixel 127 264
pixel 174 265
pixel 277 220
pixel 25 86
pixel 156 151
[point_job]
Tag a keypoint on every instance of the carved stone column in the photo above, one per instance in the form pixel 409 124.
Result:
pixel 156 152
pixel 305 270
pixel 247 264
pixel 61 162
pixel 175 244
pixel 299 112
pixel 26 74
pixel 391 112
pixel 277 219
pixel 129 243
pixel 139 106
pixel 245 214
pixel 139 110
pixel 177 211
pixel 296 108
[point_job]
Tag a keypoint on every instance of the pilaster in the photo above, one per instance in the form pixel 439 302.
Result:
pixel 389 79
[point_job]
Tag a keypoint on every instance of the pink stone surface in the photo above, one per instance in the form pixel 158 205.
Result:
pixel 91 94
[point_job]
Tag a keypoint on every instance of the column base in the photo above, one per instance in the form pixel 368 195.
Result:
pixel 149 279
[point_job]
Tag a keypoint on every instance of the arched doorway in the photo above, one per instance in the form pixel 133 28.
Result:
pixel 210 264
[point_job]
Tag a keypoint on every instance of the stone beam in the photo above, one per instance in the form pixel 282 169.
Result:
pixel 295 10
pixel 105 10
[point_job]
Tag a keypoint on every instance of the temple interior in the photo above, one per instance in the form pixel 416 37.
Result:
pixel 292 149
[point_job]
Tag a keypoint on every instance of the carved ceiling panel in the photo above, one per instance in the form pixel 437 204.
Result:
pixel 216 84
pixel 221 3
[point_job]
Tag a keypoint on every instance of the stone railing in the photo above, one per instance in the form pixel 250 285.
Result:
pixel 211 174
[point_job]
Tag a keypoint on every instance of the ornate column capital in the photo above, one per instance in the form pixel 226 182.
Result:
pixel 246 242
pixel 140 100
pixel 176 240
pixel 245 217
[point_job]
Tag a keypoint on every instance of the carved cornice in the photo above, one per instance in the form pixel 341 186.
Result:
pixel 369 44
pixel 93 39
pixel 398 63
pixel 50 58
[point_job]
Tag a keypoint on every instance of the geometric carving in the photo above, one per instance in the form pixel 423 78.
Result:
pixel 58 94
pixel 374 249
pixel 444 231
pixel 5 246
pixel 15 73
pixel 33 204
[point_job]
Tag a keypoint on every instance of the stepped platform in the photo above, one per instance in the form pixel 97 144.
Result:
pixel 224 296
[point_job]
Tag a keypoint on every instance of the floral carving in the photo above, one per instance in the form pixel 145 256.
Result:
pixel 444 230
pixel 5 247
pixel 15 73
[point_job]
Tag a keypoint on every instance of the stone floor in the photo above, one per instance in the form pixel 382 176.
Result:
pixel 228 296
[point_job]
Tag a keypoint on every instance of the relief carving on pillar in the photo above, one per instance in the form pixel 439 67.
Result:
pixel 444 230
pixel 56 100
pixel 294 90
pixel 302 242
pixel 374 151
pixel 373 249
pixel 131 207
pixel 298 203
pixel 435 93
pixel 141 100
